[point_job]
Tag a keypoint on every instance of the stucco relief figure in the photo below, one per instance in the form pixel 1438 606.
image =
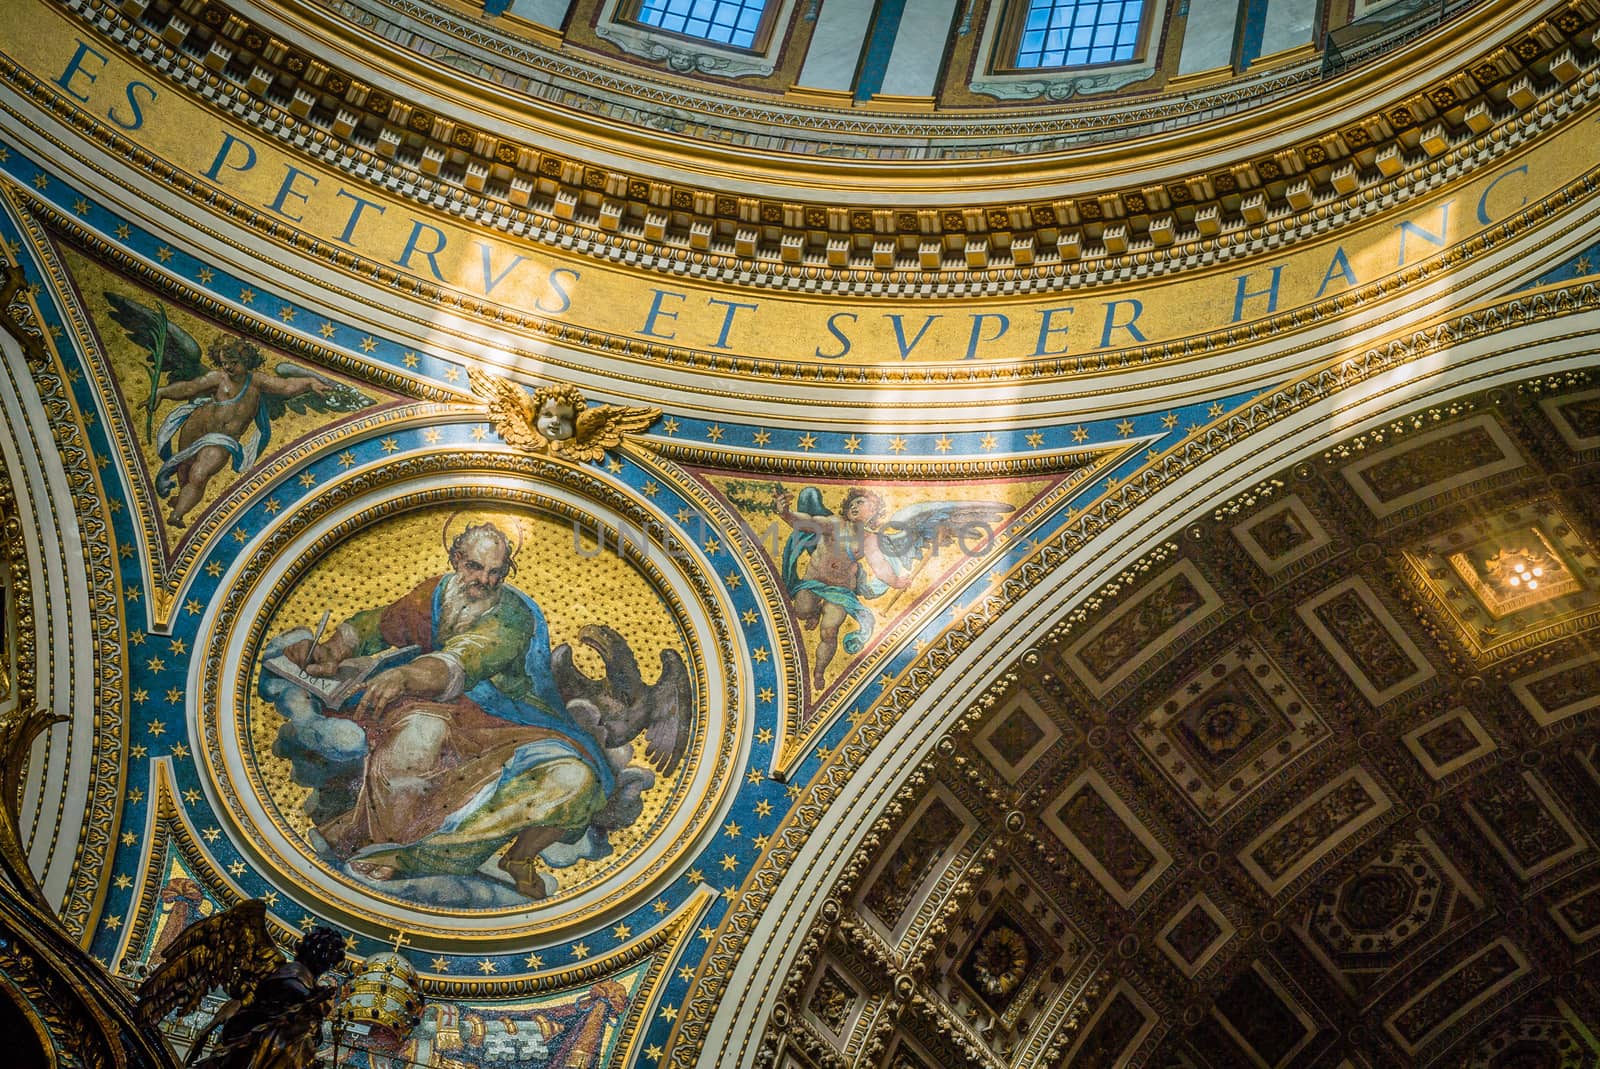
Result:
pixel 225 412
pixel 835 563
pixel 486 746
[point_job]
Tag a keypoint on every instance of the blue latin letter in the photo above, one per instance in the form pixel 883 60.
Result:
pixel 228 141
pixel 1112 324
pixel 138 113
pixel 649 328
pixel 417 227
pixel 833 328
pixel 1241 294
pixel 727 319
pixel 490 279
pixel 75 67
pixel 900 332
pixel 287 190
pixel 1340 266
pixel 559 290
pixel 1045 330
pixel 362 204
pixel 977 330
pixel 1483 201
pixel 1408 227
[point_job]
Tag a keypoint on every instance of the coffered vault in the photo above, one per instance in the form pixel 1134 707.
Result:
pixel 895 557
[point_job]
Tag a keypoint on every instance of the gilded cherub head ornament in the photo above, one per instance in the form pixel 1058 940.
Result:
pixel 555 419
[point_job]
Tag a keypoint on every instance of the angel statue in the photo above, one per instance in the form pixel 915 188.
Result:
pixel 556 419
pixel 857 555
pixel 275 1008
pixel 227 411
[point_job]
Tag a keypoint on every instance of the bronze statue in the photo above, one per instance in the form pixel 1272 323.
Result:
pixel 273 1017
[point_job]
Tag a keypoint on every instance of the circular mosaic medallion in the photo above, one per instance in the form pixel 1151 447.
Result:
pixel 463 713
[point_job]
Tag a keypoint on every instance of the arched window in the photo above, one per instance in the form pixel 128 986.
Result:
pixel 734 23
pixel 1047 34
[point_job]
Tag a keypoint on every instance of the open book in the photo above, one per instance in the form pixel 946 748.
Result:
pixel 352 676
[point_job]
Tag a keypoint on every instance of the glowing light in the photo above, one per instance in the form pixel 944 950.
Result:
pixel 1518 569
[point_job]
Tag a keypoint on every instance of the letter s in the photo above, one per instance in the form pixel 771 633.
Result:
pixel 133 103
pixel 833 328
pixel 561 292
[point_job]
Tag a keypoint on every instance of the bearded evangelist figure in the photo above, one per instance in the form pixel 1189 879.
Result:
pixel 484 741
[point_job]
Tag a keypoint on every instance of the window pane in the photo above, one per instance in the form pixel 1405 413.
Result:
pixel 1080 32
pixel 729 22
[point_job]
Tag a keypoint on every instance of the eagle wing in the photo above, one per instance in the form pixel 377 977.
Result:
pixel 510 410
pixel 671 698
pixel 602 427
pixel 231 950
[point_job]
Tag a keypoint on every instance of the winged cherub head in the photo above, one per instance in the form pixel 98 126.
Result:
pixel 320 949
pixel 555 411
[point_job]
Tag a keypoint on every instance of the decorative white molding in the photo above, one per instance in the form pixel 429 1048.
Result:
pixel 687 55
pixel 1031 87
pixel 1057 84
pixel 678 58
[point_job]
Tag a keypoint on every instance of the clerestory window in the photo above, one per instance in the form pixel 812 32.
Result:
pixel 1051 34
pixel 743 24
